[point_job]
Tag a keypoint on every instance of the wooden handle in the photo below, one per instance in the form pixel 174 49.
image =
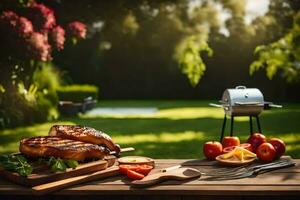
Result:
pixel 58 185
pixel 176 174
pixel 128 149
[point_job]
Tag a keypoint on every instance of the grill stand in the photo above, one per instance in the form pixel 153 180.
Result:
pixel 232 122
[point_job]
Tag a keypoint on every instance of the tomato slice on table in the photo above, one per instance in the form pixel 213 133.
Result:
pixel 134 175
pixel 144 169
pixel 124 168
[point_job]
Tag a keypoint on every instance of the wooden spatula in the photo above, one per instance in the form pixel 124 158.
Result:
pixel 174 174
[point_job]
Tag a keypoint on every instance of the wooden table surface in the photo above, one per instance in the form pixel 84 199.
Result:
pixel 276 184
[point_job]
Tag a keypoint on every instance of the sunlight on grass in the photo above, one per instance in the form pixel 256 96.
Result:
pixel 165 137
pixel 39 129
pixel 172 113
pixel 177 130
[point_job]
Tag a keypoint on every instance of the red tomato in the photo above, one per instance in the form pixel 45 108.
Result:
pixel 266 152
pixel 279 146
pixel 144 169
pixel 134 175
pixel 124 168
pixel 256 139
pixel 247 146
pixel 230 141
pixel 212 149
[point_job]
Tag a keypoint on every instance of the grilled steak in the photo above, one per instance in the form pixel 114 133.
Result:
pixel 46 146
pixel 84 134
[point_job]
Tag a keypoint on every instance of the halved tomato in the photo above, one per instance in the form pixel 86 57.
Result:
pixel 144 169
pixel 124 168
pixel 134 175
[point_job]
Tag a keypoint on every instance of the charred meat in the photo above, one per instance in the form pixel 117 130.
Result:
pixel 47 146
pixel 84 134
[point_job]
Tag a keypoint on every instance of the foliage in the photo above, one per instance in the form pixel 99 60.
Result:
pixel 16 163
pixel 77 93
pixel 58 164
pixel 282 56
pixel 135 42
pixel 189 53
pixel 35 103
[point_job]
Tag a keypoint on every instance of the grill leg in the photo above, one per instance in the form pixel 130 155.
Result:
pixel 251 125
pixel 223 128
pixel 231 125
pixel 258 124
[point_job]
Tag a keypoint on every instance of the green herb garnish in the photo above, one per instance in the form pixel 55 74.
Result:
pixel 71 163
pixel 58 164
pixel 16 163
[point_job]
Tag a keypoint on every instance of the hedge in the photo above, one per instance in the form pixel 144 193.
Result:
pixel 77 93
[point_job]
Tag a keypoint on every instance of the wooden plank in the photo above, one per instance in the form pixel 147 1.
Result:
pixel 58 185
pixel 281 182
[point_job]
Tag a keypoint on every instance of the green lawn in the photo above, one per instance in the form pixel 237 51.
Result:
pixel 178 130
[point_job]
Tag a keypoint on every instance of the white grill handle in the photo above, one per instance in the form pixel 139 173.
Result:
pixel 241 87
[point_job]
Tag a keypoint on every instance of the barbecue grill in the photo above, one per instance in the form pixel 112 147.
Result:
pixel 242 101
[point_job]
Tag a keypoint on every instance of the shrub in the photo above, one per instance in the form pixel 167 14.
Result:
pixel 36 103
pixel 77 93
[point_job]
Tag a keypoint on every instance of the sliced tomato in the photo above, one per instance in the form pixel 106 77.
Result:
pixel 124 168
pixel 247 146
pixel 144 169
pixel 228 149
pixel 134 175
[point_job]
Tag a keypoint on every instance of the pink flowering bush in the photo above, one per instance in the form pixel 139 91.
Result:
pixel 29 38
pixel 36 35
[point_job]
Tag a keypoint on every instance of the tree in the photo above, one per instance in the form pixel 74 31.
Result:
pixel 282 56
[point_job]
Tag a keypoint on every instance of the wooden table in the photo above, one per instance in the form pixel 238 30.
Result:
pixel 271 185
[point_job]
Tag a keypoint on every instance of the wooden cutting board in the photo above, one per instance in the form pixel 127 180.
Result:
pixel 61 184
pixel 179 174
pixel 41 173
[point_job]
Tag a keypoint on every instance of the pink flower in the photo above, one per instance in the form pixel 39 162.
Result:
pixel 57 37
pixel 15 24
pixel 42 17
pixel 38 47
pixel 24 27
pixel 9 20
pixel 77 29
pixel 9 16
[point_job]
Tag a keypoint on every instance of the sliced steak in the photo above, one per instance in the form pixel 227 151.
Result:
pixel 84 134
pixel 47 146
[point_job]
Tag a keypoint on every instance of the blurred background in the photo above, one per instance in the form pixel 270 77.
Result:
pixel 61 58
pixel 133 49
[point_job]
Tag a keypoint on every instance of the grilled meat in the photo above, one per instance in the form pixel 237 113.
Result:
pixel 46 146
pixel 84 134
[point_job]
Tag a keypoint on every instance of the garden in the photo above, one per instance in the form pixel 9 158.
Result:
pixel 130 99
pixel 61 62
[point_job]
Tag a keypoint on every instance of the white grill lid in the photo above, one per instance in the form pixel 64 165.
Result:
pixel 241 95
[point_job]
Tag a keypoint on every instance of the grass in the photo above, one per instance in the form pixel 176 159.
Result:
pixel 178 130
